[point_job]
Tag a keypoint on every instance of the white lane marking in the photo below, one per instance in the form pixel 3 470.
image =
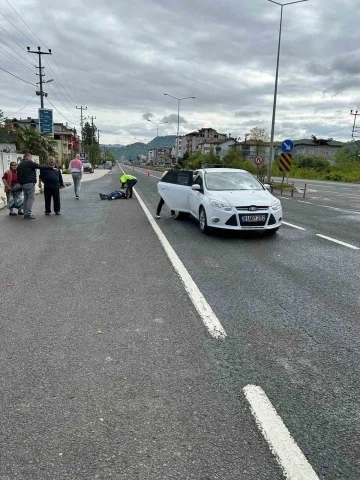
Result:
pixel 289 456
pixel 328 206
pixel 293 226
pixel 206 313
pixel 144 173
pixel 338 241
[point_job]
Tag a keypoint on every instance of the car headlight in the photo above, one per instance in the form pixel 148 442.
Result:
pixel 276 205
pixel 220 205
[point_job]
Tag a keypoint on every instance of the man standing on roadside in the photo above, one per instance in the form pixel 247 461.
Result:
pixel 175 168
pixel 77 168
pixel 128 181
pixel 27 178
pixel 52 180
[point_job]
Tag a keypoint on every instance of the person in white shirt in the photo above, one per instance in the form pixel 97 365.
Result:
pixel 77 169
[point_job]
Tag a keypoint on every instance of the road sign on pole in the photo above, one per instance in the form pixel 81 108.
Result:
pixel 287 146
pixel 258 160
pixel 46 124
pixel 285 162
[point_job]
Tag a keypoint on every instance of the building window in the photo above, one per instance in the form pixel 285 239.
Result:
pixel 216 136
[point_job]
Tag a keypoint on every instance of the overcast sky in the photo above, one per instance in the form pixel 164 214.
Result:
pixel 118 58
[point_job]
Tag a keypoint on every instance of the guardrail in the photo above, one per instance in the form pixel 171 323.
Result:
pixel 285 189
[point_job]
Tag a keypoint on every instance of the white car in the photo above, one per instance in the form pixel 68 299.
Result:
pixel 226 198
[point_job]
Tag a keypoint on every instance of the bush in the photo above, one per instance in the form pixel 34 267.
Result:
pixel 66 171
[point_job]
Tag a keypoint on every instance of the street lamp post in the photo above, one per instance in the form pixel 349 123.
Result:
pixel 178 122
pixel 157 133
pixel 282 5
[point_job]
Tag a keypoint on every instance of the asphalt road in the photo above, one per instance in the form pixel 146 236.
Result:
pixel 329 195
pixel 290 307
pixel 154 396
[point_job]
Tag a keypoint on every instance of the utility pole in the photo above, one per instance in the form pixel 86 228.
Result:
pixel 41 75
pixel 99 137
pixel 82 124
pixel 355 131
pixel 92 129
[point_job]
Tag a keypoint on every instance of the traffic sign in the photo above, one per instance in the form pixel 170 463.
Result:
pixel 46 124
pixel 83 157
pixel 285 162
pixel 287 146
pixel 258 160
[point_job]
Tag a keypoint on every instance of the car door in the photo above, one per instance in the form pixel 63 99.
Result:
pixel 174 189
pixel 196 196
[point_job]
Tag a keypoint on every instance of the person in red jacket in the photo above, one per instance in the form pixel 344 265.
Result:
pixel 13 190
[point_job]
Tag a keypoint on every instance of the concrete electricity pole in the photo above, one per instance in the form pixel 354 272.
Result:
pixel 41 75
pixel 92 129
pixel 82 124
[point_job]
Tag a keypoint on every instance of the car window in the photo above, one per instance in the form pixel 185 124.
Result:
pixel 183 177
pixel 231 181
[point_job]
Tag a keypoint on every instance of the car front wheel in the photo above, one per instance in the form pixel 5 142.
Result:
pixel 272 231
pixel 203 221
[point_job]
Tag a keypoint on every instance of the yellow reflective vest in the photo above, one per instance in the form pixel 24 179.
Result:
pixel 126 178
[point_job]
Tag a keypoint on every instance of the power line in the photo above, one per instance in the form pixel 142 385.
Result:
pixel 22 33
pixel 60 84
pixel 33 84
pixel 12 115
pixel 15 60
pixel 48 64
pixel 66 80
pixel 26 60
pixel 13 38
pixel 60 112
pixel 26 24
pixel 59 99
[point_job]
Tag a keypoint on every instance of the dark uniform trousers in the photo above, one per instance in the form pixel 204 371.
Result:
pixel 54 193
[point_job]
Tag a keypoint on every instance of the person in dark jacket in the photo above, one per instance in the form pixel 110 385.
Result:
pixel 52 180
pixel 27 179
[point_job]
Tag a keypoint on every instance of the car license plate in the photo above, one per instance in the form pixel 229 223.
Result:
pixel 253 218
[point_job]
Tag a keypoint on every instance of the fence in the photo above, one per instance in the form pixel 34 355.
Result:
pixel 285 189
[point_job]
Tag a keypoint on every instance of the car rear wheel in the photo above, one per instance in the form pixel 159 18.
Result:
pixel 203 221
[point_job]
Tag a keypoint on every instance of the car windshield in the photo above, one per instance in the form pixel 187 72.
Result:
pixel 231 181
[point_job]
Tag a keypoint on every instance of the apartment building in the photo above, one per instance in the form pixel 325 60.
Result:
pixel 192 142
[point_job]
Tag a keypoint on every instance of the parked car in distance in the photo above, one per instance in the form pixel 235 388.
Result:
pixel 108 165
pixel 225 198
pixel 88 167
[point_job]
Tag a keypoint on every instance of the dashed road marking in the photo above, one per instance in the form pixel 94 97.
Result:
pixel 144 173
pixel 289 456
pixel 206 313
pixel 338 241
pixel 293 226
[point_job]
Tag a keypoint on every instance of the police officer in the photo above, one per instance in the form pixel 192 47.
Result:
pixel 128 181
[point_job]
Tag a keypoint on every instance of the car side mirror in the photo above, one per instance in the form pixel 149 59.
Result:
pixel 195 187
pixel 267 186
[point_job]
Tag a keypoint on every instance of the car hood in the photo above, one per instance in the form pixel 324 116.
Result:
pixel 237 198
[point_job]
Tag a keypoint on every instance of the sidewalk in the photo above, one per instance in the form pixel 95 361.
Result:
pixel 67 180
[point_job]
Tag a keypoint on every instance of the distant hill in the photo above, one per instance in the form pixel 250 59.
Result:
pixel 140 148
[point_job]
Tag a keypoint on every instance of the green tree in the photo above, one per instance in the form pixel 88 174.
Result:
pixel 317 163
pixel 94 154
pixel 261 138
pixel 233 158
pixel 109 156
pixel 31 140
pixel 89 134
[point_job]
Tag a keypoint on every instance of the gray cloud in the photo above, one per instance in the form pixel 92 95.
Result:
pixel 173 118
pixel 225 57
pixel 244 113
